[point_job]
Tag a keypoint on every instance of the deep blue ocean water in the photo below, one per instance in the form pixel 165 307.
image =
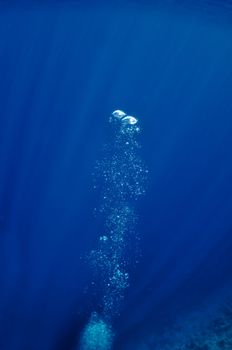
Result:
pixel 64 67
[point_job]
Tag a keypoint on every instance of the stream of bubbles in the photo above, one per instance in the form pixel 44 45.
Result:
pixel 121 177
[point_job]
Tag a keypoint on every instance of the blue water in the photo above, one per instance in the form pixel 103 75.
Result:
pixel 64 67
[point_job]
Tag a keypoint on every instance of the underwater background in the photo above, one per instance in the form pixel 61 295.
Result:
pixel 64 68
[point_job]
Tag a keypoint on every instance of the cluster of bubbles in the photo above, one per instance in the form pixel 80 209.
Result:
pixel 121 177
pixel 97 334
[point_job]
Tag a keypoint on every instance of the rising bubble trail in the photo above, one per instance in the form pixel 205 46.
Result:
pixel 120 177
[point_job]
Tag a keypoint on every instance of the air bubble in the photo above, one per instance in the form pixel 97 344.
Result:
pixel 103 238
pixel 129 120
pixel 118 114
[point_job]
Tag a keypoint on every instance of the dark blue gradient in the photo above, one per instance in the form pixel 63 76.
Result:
pixel 63 69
